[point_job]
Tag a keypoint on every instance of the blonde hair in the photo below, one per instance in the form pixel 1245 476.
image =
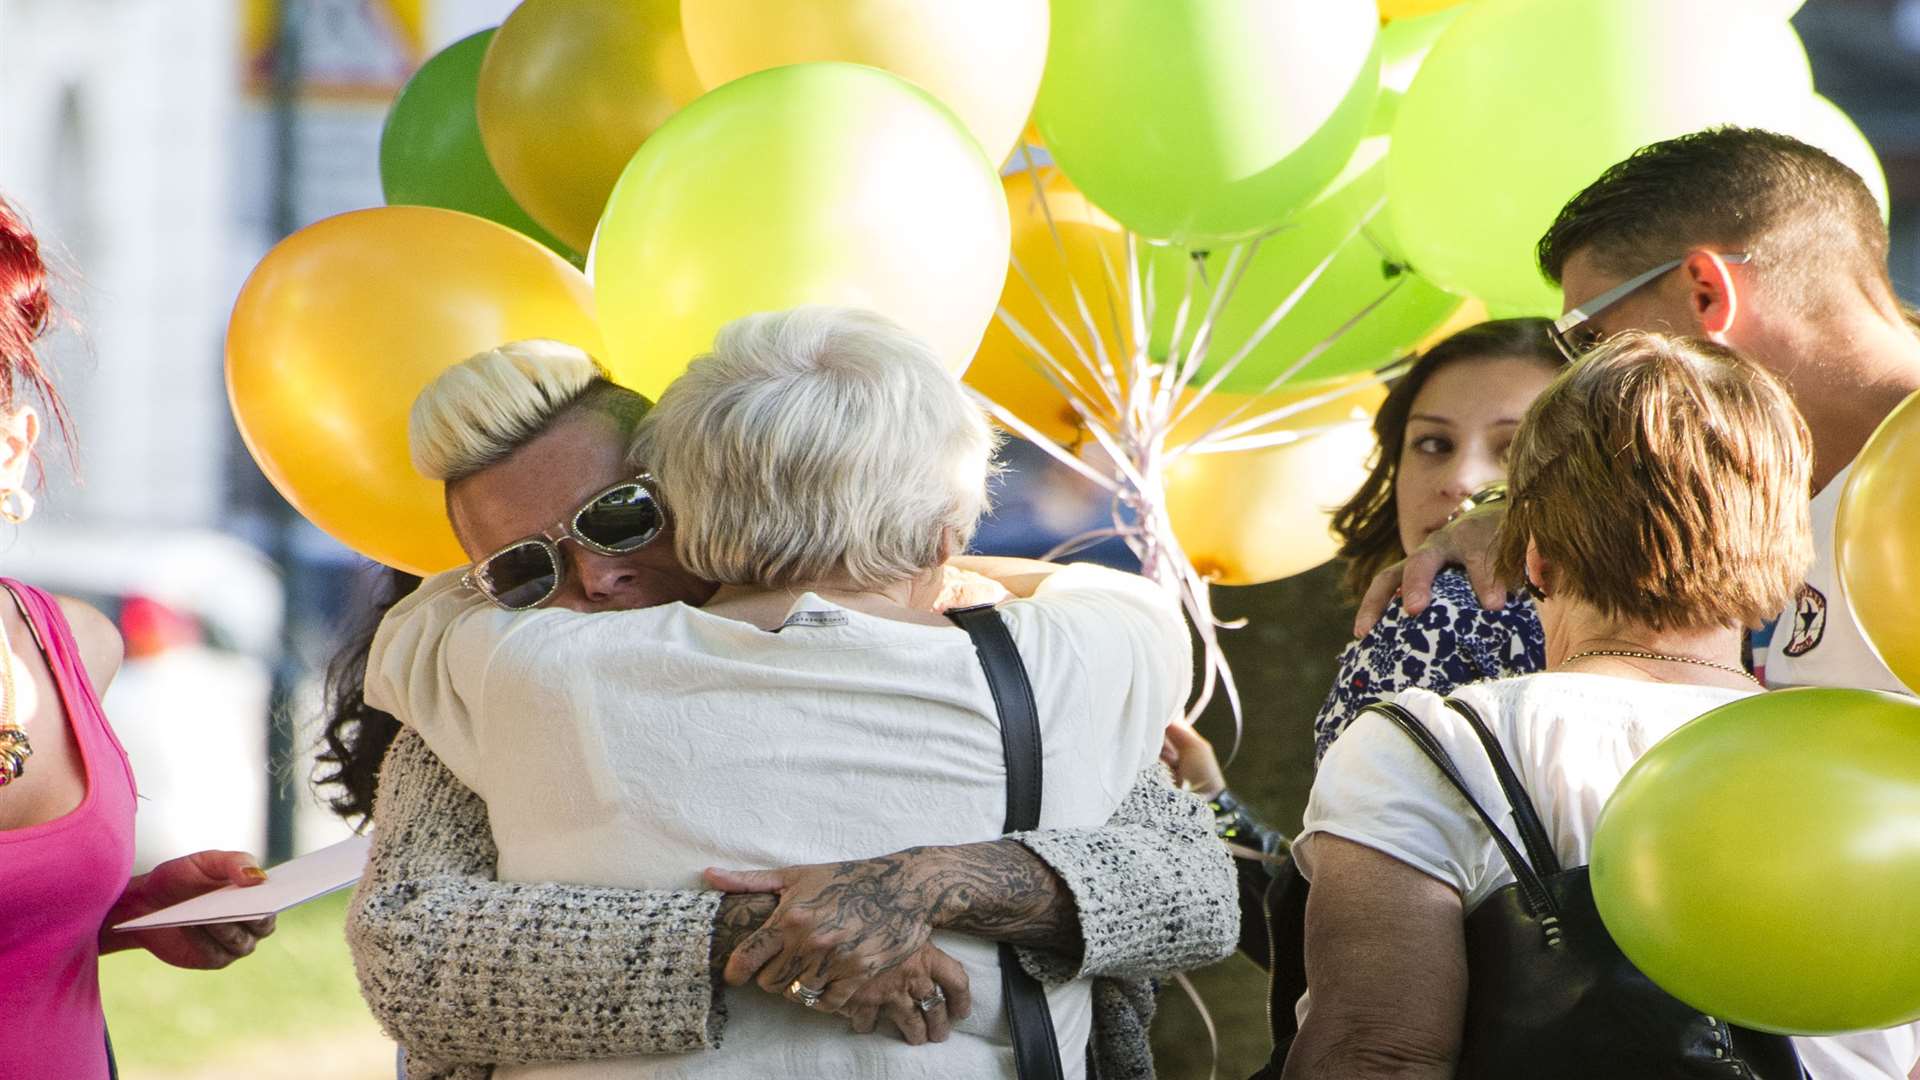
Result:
pixel 814 441
pixel 478 412
pixel 1668 480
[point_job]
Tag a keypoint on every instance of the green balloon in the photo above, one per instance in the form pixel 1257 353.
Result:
pixel 1522 103
pixel 430 151
pixel 1360 274
pixel 1203 123
pixel 1762 863
pixel 1363 268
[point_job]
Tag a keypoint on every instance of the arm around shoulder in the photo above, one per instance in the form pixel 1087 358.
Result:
pixel 461 968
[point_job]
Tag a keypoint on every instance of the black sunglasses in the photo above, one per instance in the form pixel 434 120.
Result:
pixel 526 573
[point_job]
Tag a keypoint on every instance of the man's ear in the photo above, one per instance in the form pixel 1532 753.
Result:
pixel 1712 295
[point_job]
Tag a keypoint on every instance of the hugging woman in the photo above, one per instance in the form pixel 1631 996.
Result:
pixel 822 467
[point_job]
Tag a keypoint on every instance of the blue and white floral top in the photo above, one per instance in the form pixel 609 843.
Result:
pixel 1452 643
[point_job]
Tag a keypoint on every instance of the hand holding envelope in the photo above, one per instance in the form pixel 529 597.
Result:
pixel 209 909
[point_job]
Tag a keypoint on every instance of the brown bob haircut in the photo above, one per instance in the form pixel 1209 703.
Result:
pixel 1666 479
pixel 1369 523
pixel 1810 223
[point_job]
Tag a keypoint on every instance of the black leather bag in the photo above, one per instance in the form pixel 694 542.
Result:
pixel 1036 1050
pixel 1549 994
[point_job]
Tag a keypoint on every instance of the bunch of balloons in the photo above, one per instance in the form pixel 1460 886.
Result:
pixel 702 159
pixel 1255 199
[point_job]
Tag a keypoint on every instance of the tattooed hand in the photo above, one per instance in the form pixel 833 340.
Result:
pixel 840 925
pixel 896 995
pixel 739 916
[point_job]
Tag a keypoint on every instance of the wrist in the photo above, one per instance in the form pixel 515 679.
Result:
pixel 739 915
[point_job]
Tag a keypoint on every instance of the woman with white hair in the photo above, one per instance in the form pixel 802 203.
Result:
pixel 821 466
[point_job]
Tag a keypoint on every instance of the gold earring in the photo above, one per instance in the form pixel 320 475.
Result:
pixel 16 505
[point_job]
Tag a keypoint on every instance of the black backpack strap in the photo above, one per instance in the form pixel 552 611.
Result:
pixel 1036 1050
pixel 1539 900
pixel 1533 835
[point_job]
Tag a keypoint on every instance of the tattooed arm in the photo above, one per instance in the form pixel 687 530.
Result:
pixel 1150 892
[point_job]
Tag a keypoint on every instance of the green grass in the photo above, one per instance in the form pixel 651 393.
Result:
pixel 298 986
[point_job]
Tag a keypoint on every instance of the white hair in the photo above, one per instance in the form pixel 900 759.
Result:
pixel 815 441
pixel 484 408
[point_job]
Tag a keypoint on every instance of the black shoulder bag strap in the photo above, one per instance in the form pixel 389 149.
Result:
pixel 1036 1051
pixel 1525 871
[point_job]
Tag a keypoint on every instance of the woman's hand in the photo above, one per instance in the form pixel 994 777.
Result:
pixel 928 976
pixel 837 925
pixel 202 947
pixel 1192 760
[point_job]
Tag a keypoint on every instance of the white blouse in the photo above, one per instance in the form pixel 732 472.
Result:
pixel 636 748
pixel 1571 737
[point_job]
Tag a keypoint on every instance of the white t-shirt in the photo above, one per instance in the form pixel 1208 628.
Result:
pixel 636 748
pixel 1571 736
pixel 1817 642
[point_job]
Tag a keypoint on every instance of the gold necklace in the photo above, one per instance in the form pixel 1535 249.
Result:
pixel 1636 655
pixel 14 747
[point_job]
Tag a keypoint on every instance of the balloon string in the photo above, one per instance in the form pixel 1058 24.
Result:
pixel 1285 308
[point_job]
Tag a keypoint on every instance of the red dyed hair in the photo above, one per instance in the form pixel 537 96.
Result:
pixel 26 313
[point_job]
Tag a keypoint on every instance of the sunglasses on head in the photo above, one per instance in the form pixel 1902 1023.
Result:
pixel 526 573
pixel 1571 333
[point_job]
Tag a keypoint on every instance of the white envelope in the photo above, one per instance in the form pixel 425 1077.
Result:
pixel 290 884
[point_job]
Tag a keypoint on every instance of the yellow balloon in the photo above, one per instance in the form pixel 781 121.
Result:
pixel 1249 516
pixel 569 90
pixel 1406 9
pixel 1876 535
pixel 983 58
pixel 1005 369
pixel 808 184
pixel 340 327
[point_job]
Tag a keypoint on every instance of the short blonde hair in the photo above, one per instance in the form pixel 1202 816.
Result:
pixel 815 441
pixel 478 412
pixel 1668 480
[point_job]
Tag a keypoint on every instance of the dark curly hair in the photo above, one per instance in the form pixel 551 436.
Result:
pixel 1369 524
pixel 357 735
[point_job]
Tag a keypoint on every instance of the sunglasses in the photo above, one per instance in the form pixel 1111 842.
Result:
pixel 1574 338
pixel 526 573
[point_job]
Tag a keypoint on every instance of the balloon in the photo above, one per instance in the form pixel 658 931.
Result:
pixel 983 58
pixel 810 184
pixel 1876 533
pixel 1523 103
pixel 341 326
pixel 569 90
pixel 1248 516
pixel 430 151
pixel 1828 127
pixel 1407 9
pixel 1404 45
pixel 1202 123
pixel 1361 272
pixel 1004 369
pixel 1761 863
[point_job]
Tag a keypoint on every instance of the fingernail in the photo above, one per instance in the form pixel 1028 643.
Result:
pixel 253 875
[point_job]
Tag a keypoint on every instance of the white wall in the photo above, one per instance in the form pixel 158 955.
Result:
pixel 116 146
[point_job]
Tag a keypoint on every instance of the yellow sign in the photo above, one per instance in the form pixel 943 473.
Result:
pixel 348 48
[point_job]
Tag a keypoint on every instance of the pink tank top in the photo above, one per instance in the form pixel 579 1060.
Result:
pixel 57 881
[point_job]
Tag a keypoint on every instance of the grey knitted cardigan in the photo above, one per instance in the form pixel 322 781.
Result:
pixel 466 971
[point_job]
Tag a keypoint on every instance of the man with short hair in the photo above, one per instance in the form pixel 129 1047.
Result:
pixel 1769 246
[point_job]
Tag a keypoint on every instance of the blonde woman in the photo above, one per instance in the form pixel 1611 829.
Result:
pixel 821 466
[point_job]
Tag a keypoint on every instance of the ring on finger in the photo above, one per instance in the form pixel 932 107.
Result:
pixel 932 1001
pixel 804 994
